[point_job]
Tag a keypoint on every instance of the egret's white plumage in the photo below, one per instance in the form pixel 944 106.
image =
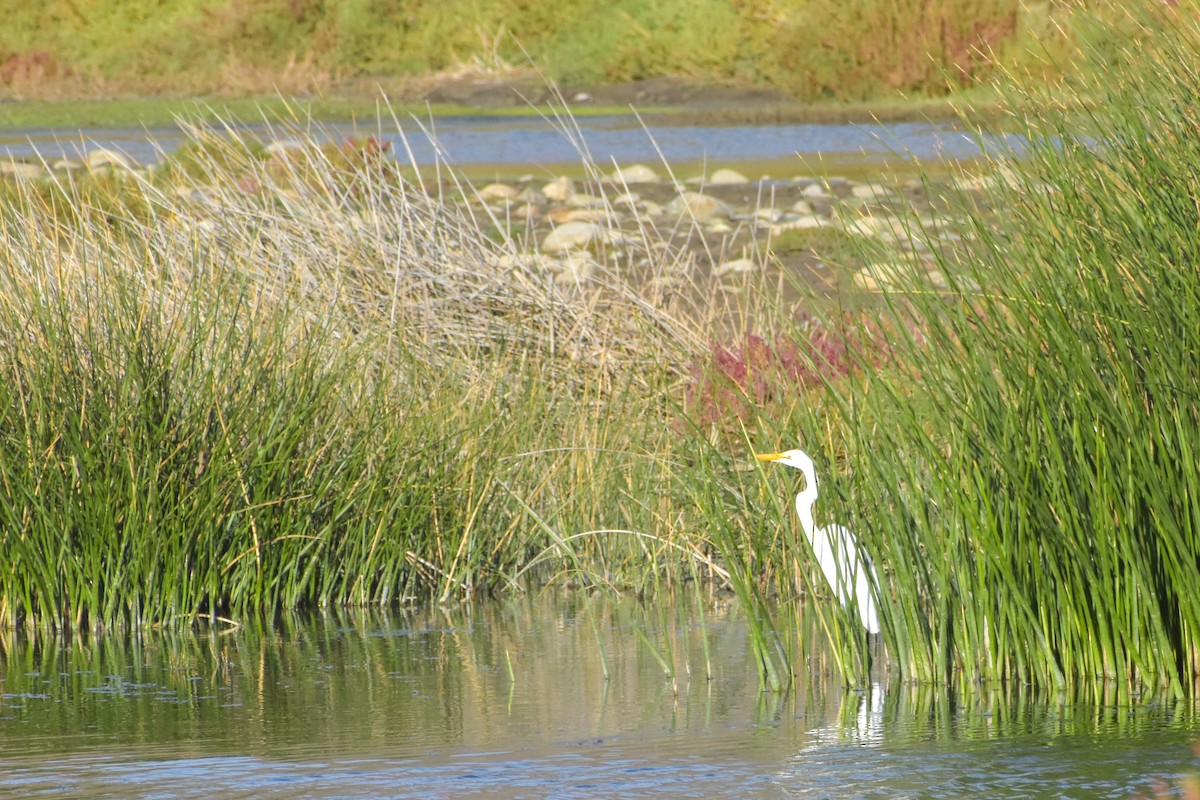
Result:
pixel 850 573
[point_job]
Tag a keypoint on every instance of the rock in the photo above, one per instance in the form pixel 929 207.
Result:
pixel 629 199
pixel 736 265
pixel 634 173
pixel 575 268
pixel 581 200
pixel 871 191
pixel 886 228
pixel 101 158
pixel 20 169
pixel 282 148
pixel 652 209
pixel 815 190
pixel 571 235
pixel 526 262
pixel 700 207
pixel 802 207
pixel 589 215
pixel 878 277
pixel 727 177
pixel 66 165
pixel 720 227
pixel 769 215
pixel 886 275
pixel 560 189
pixel 803 222
pixel 497 191
pixel 531 195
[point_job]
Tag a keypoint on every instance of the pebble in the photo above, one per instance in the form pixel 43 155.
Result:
pixel 560 189
pixel 634 173
pixel 571 235
pixel 497 191
pixel 736 265
pixel 103 157
pixel 574 268
pixel 871 191
pixel 727 177
pixel 20 169
pixel 701 207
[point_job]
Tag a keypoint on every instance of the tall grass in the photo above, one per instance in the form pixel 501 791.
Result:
pixel 1024 467
pixel 248 382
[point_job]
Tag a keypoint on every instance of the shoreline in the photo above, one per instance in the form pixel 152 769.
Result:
pixel 656 101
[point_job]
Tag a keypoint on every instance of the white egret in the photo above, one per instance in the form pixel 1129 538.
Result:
pixel 834 547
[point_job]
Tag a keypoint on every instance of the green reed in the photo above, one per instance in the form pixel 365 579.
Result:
pixel 267 382
pixel 1023 466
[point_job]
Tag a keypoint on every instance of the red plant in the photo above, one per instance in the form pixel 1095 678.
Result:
pixel 740 379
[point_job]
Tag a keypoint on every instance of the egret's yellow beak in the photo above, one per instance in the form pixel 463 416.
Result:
pixel 768 456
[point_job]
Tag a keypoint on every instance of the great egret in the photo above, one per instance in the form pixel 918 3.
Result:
pixel 835 549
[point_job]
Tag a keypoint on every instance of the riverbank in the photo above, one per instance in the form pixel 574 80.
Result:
pixel 668 101
pixel 807 49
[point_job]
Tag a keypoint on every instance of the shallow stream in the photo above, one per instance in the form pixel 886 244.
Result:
pixel 510 700
pixel 533 141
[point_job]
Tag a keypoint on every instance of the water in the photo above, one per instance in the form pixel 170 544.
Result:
pixel 509 700
pixel 531 141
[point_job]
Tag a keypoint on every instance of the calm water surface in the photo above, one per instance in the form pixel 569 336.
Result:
pixel 531 141
pixel 509 700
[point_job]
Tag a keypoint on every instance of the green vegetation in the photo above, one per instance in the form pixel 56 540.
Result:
pixel 253 381
pixel 810 49
pixel 1023 464
pixel 248 383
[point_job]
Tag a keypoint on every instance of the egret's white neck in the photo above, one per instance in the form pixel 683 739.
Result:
pixel 804 505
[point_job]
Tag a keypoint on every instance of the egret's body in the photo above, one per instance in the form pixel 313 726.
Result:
pixel 849 572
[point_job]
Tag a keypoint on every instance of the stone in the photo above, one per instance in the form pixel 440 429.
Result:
pixel 282 148
pixel 526 262
pixel 736 265
pixel 531 195
pixel 727 177
pixel 887 228
pixel 574 268
pixel 701 207
pixel 20 169
pixel 629 199
pixel 571 235
pixel 497 191
pixel 878 277
pixel 589 215
pixel 803 222
pixel 815 190
pixel 871 191
pixel 102 157
pixel 581 200
pixel 802 207
pixel 634 173
pixel 560 189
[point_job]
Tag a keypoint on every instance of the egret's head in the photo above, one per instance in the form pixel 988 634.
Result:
pixel 797 459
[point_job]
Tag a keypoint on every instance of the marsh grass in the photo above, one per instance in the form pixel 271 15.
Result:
pixel 1028 482
pixel 251 381
pixel 257 380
